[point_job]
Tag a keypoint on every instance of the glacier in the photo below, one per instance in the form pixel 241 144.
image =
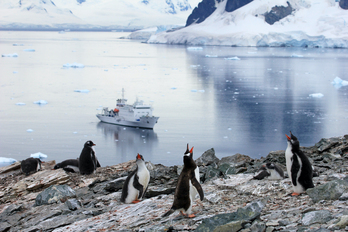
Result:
pixel 313 23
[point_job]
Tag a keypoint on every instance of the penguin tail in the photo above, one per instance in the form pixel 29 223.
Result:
pixel 169 212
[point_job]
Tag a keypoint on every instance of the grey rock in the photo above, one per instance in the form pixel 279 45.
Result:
pixel 209 173
pixel 237 160
pixel 325 144
pixel 329 191
pixel 277 13
pixel 258 226
pixel 344 196
pixel 247 213
pixel 4 226
pixel 73 204
pixel 54 194
pixel 276 157
pixel 313 217
pixel 207 158
pixel 344 4
pixel 115 185
pixel 156 191
pixel 343 223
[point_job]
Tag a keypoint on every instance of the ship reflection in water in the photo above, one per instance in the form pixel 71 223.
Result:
pixel 128 142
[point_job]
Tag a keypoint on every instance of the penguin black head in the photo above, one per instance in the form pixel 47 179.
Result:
pixel 189 152
pixel 270 166
pixel 293 140
pixel 139 157
pixel 89 143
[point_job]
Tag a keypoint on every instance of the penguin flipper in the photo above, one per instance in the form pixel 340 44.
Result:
pixel 138 186
pixel 295 167
pixel 198 186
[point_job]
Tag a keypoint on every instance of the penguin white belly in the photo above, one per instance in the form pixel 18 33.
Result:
pixel 76 169
pixel 274 175
pixel 288 156
pixel 298 188
pixel 132 192
pixel 193 190
pixel 144 178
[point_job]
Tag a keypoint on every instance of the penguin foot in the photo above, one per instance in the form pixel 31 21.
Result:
pixel 191 216
pixel 135 201
pixel 295 194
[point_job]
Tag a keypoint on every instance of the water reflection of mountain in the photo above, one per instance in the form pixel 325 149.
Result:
pixel 129 141
pixel 262 96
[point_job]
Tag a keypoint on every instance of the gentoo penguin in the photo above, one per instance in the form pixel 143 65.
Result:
pixel 69 165
pixel 30 165
pixel 298 166
pixel 88 162
pixel 270 170
pixel 135 186
pixel 183 199
pixel 193 190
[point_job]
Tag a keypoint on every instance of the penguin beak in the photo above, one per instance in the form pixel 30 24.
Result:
pixel 138 156
pixel 287 137
pixel 93 144
pixel 191 150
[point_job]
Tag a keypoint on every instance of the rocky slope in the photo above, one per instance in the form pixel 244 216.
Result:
pixel 53 200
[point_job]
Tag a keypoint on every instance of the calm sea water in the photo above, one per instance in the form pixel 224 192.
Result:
pixel 204 96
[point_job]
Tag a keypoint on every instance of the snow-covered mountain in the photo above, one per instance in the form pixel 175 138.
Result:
pixel 307 23
pixel 93 14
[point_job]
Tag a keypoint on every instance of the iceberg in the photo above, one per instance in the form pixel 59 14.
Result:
pixel 194 48
pixel 73 65
pixel 38 155
pixel 40 102
pixel 10 55
pixel 30 130
pixel 4 160
pixel 29 50
pixel 81 90
pixel 211 56
pixel 316 95
pixel 232 58
pixel 338 83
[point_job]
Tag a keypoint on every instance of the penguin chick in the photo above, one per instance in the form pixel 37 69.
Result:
pixel 88 162
pixel 30 165
pixel 276 173
pixel 69 165
pixel 183 196
pixel 135 186
pixel 298 166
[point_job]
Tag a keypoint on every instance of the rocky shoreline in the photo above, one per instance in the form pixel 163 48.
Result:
pixel 54 200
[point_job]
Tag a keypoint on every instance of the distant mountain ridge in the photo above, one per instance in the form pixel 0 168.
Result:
pixel 93 14
pixel 306 23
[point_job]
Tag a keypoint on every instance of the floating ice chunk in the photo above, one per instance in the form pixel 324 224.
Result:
pixel 20 103
pixel 10 55
pixel 38 155
pixel 201 90
pixel 15 72
pixel 73 65
pixel 17 44
pixel 173 88
pixel 29 50
pixel 338 82
pixel 30 130
pixel 211 56
pixel 316 95
pixel 296 55
pixel 4 160
pixel 81 90
pixel 232 58
pixel 41 102
pixel 194 48
pixel 193 90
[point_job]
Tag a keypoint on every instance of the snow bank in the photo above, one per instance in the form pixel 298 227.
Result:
pixel 38 155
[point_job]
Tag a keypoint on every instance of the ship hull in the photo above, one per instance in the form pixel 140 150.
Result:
pixel 144 122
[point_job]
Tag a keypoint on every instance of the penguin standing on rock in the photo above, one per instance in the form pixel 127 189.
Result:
pixel 135 186
pixel 298 166
pixel 30 165
pixel 88 162
pixel 183 196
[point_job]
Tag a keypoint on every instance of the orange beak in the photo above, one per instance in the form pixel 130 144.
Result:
pixel 191 150
pixel 138 156
pixel 288 137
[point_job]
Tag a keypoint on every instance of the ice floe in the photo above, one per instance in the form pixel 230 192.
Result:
pixel 296 55
pixel 232 58
pixel 4 160
pixel 17 44
pixel 29 50
pixel 38 155
pixel 316 95
pixel 20 103
pixel 194 48
pixel 41 102
pixel 338 82
pixel 211 56
pixel 30 130
pixel 73 65
pixel 10 55
pixel 81 90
